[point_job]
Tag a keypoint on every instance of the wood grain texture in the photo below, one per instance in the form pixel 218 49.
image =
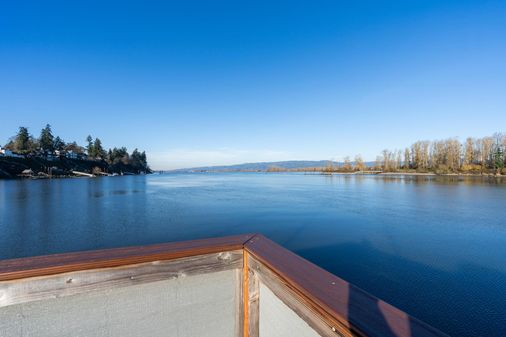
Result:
pixel 245 298
pixel 62 263
pixel 239 300
pixel 303 308
pixel 73 283
pixel 339 304
pixel 253 304
pixel 335 299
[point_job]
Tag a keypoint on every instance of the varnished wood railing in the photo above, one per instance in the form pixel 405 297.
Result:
pixel 330 305
pixel 116 257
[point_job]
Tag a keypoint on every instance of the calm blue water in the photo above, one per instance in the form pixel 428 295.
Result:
pixel 436 248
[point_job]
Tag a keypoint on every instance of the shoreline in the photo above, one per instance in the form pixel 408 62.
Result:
pixel 442 174
pixel 76 176
pixel 368 173
pixel 60 168
pixel 413 174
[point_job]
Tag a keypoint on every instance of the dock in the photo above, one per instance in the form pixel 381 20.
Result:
pixel 83 174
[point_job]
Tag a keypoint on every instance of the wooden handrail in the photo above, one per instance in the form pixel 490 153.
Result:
pixel 116 257
pixel 335 299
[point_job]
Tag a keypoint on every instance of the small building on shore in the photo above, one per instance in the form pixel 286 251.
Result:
pixel 71 155
pixel 66 154
pixel 8 153
pixel 27 173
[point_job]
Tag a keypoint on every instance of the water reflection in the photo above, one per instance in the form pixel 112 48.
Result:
pixel 412 240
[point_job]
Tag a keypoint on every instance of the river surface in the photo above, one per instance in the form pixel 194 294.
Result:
pixel 434 247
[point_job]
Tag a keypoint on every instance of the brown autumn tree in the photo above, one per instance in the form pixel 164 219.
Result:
pixel 407 156
pixel 359 163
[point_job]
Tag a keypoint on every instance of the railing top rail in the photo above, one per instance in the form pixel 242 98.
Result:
pixel 336 299
pixel 115 257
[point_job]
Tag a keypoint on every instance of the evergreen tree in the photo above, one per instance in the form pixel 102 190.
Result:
pixel 499 158
pixel 46 141
pixel 90 149
pixel 119 155
pixel 59 144
pixel 98 150
pixel 22 141
pixel 109 156
pixel 144 161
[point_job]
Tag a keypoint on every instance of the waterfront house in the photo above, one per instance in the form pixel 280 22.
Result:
pixel 66 154
pixel 71 155
pixel 8 153
pixel 50 156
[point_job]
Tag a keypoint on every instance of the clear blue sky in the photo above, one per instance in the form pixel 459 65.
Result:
pixel 213 82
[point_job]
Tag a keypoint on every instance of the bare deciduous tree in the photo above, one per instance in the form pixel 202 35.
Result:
pixel 359 163
pixel 469 151
pixel 347 164
pixel 406 159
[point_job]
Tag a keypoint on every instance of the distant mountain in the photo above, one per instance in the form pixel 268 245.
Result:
pixel 264 166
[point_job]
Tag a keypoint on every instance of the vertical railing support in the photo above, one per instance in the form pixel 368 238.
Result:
pixel 251 300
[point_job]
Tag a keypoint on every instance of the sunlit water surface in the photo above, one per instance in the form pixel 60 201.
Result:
pixel 435 248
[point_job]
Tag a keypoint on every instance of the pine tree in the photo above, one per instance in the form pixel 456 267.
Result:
pixel 58 144
pixel 90 149
pixel 98 150
pixel 499 158
pixel 46 141
pixel 22 141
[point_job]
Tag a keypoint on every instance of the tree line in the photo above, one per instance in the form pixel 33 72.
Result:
pixel 475 155
pixel 48 145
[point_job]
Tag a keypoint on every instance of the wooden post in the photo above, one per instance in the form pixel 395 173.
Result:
pixel 251 300
pixel 239 305
pixel 245 289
